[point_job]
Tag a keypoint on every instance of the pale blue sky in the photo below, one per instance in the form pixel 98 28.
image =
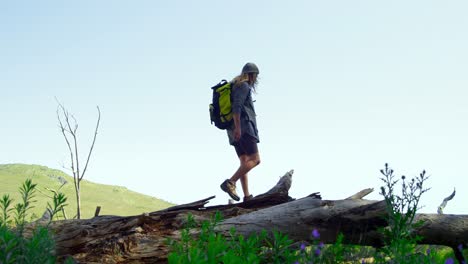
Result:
pixel 345 87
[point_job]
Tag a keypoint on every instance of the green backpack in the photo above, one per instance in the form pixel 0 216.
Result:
pixel 220 109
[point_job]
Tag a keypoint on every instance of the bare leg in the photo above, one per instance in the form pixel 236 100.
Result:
pixel 245 184
pixel 247 163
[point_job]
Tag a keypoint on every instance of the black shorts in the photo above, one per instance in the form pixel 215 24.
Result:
pixel 247 145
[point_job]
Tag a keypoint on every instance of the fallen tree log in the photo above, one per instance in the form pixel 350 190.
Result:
pixel 142 238
pixel 299 218
pixel 457 250
pixel 358 220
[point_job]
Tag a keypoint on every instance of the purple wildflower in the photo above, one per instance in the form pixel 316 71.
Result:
pixel 303 246
pixel 449 261
pixel 363 261
pixel 460 247
pixel 321 245
pixel 316 234
pixel 428 251
pixel 317 251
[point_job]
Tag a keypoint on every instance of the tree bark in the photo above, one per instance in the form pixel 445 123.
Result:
pixel 142 238
pixel 358 220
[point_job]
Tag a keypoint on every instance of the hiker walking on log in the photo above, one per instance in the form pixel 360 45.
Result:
pixel 243 134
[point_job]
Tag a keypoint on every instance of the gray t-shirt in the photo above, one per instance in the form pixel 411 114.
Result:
pixel 242 104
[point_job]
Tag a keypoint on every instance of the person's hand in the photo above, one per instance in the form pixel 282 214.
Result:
pixel 237 133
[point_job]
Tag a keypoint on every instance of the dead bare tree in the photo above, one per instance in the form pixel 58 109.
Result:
pixel 69 126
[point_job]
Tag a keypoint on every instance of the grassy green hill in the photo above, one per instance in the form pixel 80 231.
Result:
pixel 114 200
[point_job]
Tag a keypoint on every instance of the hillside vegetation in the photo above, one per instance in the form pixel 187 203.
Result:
pixel 114 200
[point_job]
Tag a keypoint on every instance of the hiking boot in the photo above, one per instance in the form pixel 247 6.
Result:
pixel 230 188
pixel 247 198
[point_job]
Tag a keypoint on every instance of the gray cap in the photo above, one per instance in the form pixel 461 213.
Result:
pixel 250 68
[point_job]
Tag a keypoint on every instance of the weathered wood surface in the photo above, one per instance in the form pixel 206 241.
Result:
pixel 142 238
pixel 298 219
pixel 361 194
pixel 448 230
pixel 358 220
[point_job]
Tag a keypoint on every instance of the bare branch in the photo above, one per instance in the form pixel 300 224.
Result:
pixel 444 203
pixel 77 158
pixel 92 145
pixel 63 184
pixel 76 124
pixel 360 194
pixel 66 138
pixel 46 195
pixel 66 115
pixel 65 168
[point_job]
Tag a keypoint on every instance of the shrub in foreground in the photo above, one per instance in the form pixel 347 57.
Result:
pixel 15 245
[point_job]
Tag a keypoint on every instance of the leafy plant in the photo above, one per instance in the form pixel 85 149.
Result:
pixel 399 238
pixel 207 246
pixel 58 204
pixel 5 204
pixel 15 246
pixel 280 250
pixel 27 191
pixel 210 247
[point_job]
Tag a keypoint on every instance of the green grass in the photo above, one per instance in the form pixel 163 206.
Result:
pixel 114 200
